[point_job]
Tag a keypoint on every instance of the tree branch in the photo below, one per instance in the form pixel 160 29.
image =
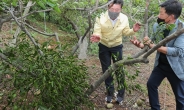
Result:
pixel 26 31
pixel 4 58
pixel 82 38
pixel 74 27
pixel 43 33
pixel 145 33
pixel 6 18
pixel 92 9
pixel 164 41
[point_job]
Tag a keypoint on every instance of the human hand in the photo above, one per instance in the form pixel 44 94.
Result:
pixel 136 27
pixel 146 40
pixel 136 42
pixel 95 38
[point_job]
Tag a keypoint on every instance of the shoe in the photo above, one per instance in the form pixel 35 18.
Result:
pixel 108 99
pixel 119 100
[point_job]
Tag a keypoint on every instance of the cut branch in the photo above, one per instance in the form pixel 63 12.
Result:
pixel 4 58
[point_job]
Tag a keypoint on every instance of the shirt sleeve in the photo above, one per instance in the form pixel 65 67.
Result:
pixel 127 31
pixel 178 47
pixel 97 27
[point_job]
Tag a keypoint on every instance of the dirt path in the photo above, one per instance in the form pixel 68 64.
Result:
pixel 167 101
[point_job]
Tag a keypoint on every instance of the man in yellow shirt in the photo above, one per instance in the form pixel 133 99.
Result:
pixel 108 31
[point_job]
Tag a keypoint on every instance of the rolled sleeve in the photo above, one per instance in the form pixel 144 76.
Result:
pixel 178 47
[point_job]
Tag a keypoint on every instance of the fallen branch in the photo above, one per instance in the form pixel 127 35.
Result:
pixel 4 58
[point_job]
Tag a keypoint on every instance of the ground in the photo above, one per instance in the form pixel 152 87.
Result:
pixel 166 97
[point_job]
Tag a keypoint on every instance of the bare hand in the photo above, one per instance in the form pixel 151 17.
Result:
pixel 136 27
pixel 147 40
pixel 136 42
pixel 95 38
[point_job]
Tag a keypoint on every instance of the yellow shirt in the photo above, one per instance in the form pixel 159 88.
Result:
pixel 110 35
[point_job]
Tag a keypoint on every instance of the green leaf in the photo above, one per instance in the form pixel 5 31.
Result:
pixel 51 4
pixel 40 3
pixel 14 3
pixel 171 26
pixel 56 8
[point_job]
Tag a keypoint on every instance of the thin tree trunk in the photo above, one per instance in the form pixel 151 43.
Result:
pixel 13 42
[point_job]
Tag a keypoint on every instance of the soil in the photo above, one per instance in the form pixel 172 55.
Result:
pixel 131 101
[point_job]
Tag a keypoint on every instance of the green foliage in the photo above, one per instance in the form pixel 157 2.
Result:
pixel 158 35
pixel 93 49
pixel 125 79
pixel 123 76
pixel 42 3
pixel 46 82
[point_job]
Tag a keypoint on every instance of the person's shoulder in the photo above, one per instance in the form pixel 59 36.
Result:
pixel 155 25
pixel 123 16
pixel 182 23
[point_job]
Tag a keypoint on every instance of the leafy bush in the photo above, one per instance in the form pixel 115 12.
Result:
pixel 46 82
pixel 93 49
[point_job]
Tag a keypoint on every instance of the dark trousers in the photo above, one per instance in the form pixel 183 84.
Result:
pixel 106 55
pixel 158 74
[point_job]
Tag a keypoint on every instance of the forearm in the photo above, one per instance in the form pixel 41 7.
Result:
pixel 161 49
pixel 128 32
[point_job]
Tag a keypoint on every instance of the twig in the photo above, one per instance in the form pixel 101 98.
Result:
pixel 43 33
pixel 100 6
pixel 92 9
pixel 3 57
pixel 63 3
pixel 35 12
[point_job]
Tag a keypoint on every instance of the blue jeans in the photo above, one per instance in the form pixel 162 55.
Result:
pixel 158 74
pixel 107 54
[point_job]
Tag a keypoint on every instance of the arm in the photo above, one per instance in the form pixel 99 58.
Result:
pixel 97 31
pixel 178 47
pixel 127 31
pixel 97 28
pixel 147 41
pixel 162 49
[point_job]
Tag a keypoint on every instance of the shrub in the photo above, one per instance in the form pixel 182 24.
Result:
pixel 50 81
